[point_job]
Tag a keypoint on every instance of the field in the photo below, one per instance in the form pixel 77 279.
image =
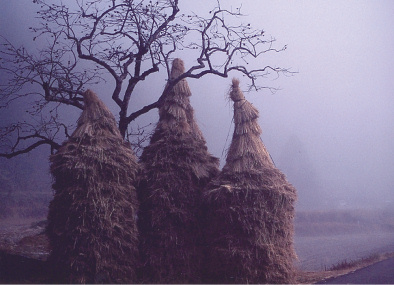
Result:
pixel 318 253
pixel 324 239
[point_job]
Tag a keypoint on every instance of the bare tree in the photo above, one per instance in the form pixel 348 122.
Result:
pixel 126 40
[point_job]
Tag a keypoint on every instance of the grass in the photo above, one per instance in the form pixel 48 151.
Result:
pixel 355 263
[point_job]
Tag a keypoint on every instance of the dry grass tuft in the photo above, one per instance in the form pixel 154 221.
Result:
pixel 176 166
pixel 249 210
pixel 92 218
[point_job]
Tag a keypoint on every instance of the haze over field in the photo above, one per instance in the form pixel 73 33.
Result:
pixel 329 128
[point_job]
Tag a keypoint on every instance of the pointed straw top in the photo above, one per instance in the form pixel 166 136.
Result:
pixel 247 152
pixel 236 94
pixel 176 112
pixel 95 118
pixel 178 68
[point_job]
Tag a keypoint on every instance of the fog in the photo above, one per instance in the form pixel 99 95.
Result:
pixel 330 126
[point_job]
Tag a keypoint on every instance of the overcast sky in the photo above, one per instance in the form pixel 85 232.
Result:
pixel 330 128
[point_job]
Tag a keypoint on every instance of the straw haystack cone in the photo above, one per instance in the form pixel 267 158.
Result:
pixel 249 210
pixel 175 167
pixel 92 218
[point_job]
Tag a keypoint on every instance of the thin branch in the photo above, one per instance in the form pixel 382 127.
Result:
pixel 30 148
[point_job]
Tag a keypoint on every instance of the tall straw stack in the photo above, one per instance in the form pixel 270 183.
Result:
pixel 249 210
pixel 176 167
pixel 92 219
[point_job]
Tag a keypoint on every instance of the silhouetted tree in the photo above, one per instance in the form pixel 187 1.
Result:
pixel 87 41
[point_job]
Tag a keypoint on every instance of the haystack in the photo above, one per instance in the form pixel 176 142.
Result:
pixel 92 219
pixel 176 167
pixel 249 210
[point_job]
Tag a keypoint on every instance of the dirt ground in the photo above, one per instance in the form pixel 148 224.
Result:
pixel 24 249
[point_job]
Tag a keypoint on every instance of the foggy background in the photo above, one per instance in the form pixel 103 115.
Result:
pixel 330 126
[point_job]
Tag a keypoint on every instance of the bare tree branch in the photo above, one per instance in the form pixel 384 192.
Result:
pixel 127 41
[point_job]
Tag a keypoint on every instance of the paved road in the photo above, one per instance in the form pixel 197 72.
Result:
pixel 378 273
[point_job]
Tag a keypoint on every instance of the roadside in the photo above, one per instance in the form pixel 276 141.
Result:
pixel 341 269
pixel 378 273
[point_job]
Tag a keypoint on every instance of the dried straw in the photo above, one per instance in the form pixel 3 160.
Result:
pixel 176 166
pixel 92 218
pixel 249 210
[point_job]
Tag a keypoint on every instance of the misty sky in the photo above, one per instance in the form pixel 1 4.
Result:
pixel 330 128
